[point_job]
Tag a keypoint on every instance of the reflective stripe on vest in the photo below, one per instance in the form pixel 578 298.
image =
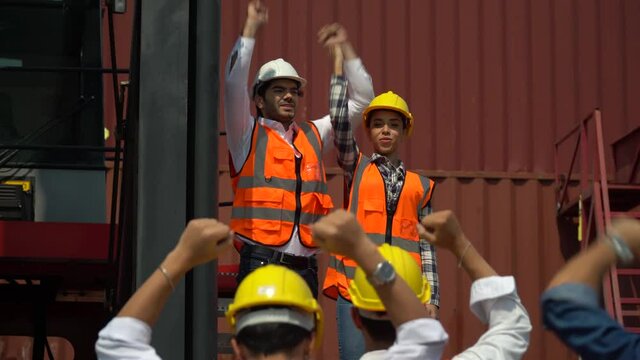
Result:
pixel 265 206
pixel 273 214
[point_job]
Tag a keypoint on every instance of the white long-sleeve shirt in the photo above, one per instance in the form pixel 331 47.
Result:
pixel 239 121
pixel 494 300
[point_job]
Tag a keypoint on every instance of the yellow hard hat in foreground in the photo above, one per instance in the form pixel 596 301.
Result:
pixel 389 101
pixel 364 296
pixel 275 294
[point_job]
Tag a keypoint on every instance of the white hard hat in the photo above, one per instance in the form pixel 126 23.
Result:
pixel 276 69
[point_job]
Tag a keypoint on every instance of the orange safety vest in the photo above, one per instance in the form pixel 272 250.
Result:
pixel 367 200
pixel 275 190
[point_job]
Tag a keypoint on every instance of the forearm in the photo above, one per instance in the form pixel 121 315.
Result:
pixel 399 300
pixel 508 334
pixel 572 311
pixel 472 262
pixel 250 29
pixel 147 302
pixel 587 267
pixel 348 51
pixel 430 270
pixel 237 114
pixel 343 139
pixel 360 88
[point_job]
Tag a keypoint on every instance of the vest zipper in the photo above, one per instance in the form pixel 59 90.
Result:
pixel 388 232
pixel 296 220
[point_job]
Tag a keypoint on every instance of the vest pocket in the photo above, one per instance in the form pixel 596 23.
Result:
pixel 408 228
pixel 325 202
pixel 264 209
pixel 267 197
pixel 311 171
pixel 373 205
pixel 282 163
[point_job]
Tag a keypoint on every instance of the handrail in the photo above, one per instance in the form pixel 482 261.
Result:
pixel 581 129
pixel 595 177
pixel 599 173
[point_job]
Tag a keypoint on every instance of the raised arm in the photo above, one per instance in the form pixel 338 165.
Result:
pixel 201 242
pixel 589 266
pixel 571 307
pixel 442 229
pixel 237 112
pixel 494 299
pixel 359 83
pixel 429 260
pixel 343 140
pixel 130 332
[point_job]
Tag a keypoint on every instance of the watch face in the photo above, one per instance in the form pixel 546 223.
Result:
pixel 384 274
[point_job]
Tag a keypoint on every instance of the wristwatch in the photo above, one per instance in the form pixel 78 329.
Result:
pixel 383 274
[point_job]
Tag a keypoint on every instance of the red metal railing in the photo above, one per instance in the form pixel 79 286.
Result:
pixel 594 188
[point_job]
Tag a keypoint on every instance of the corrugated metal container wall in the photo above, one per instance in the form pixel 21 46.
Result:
pixel 492 85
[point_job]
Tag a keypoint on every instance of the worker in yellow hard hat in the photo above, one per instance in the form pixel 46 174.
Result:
pixel 389 292
pixel 276 157
pixel 369 313
pixel 388 289
pixel 387 200
pixel 274 314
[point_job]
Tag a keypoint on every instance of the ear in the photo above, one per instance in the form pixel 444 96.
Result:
pixel 259 100
pixel 355 316
pixel 237 350
pixel 312 343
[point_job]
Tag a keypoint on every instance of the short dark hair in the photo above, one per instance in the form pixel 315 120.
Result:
pixel 272 338
pixel 379 330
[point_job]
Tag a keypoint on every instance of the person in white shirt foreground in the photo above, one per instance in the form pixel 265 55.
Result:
pixel 494 299
pixel 368 312
pixel 274 315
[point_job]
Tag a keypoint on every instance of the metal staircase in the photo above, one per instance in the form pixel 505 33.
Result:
pixel 588 198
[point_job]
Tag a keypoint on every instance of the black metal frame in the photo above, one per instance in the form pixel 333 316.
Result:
pixel 8 151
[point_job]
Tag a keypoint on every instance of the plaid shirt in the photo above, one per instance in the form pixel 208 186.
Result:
pixel 392 175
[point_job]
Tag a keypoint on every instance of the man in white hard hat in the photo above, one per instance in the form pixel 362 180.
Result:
pixel 276 162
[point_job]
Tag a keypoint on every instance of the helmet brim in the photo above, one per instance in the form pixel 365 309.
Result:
pixel 299 80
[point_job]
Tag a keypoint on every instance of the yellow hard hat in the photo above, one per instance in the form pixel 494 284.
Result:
pixel 364 296
pixel 282 290
pixel 389 101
